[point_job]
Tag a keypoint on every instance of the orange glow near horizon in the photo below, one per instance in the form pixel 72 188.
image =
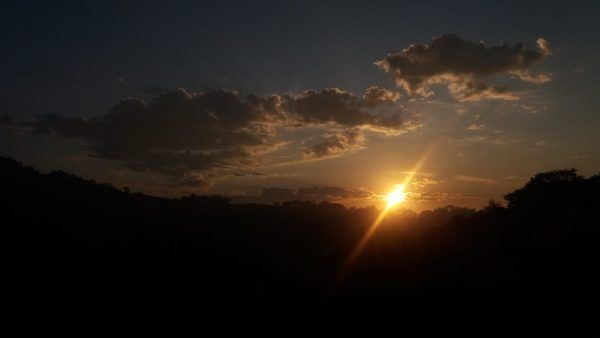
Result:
pixel 393 198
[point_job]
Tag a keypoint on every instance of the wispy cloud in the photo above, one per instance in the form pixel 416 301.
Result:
pixel 475 179
pixel 317 194
pixel 439 196
pixel 476 126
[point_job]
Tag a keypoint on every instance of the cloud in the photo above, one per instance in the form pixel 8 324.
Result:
pixel 439 196
pixel 499 141
pixel 336 144
pixel 193 138
pixel 420 183
pixel 476 126
pixel 469 90
pixel 374 96
pixel 333 105
pixel 336 194
pixel 475 179
pixel 532 78
pixel 331 193
pixel 178 134
pixel 461 64
pixel 317 194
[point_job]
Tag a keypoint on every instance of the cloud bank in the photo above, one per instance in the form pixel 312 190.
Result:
pixel 461 65
pixel 196 137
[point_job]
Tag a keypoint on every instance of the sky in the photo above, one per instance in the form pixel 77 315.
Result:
pixel 268 101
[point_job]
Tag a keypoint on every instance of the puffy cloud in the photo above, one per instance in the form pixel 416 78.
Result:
pixel 460 64
pixel 333 105
pixel 178 134
pixel 195 137
pixel 375 96
pixel 336 144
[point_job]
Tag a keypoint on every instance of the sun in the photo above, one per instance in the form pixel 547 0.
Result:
pixel 396 196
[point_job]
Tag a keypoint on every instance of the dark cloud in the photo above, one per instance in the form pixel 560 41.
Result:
pixel 460 64
pixel 333 105
pixel 375 96
pixel 196 137
pixel 177 134
pixel 336 144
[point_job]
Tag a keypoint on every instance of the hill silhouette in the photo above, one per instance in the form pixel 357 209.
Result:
pixel 86 259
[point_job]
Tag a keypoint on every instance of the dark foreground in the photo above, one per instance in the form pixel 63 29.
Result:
pixel 85 259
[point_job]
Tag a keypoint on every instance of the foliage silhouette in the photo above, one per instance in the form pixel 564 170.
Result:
pixel 87 259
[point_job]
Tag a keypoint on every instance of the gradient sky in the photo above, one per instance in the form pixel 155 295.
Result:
pixel 324 121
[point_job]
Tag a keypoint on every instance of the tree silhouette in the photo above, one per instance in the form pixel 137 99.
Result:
pixel 87 259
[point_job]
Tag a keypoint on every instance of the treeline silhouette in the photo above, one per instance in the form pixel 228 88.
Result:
pixel 86 259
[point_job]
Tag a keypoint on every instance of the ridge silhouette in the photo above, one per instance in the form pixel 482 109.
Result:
pixel 87 259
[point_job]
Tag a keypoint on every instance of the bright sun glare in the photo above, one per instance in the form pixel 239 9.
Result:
pixel 396 196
